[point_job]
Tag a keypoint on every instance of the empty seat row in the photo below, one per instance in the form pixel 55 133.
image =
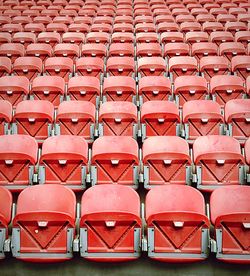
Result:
pixel 66 160
pixel 177 224
pixel 156 118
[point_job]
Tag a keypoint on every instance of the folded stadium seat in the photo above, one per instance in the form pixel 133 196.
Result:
pixel 182 66
pixel 146 12
pixel 148 50
pixel 178 9
pixel 21 19
pixel 11 28
pixel 145 28
pixel 5 118
pixel 83 19
pixel 89 66
pixel 177 225
pixel 50 88
pixel 151 66
pixel 41 19
pixel 66 50
pixel 167 27
pixel 154 88
pixel 196 37
pixel 57 27
pixel 118 119
pixel 93 50
pixel 216 11
pixel 150 37
pixel 172 37
pixel 29 67
pixel 5 66
pixel 237 10
pixel 5 37
pixel 159 118
pixel 78 27
pixel 18 157
pixel 220 37
pixel 176 49
pixel 190 27
pixel 201 118
pixel 24 38
pixel 75 38
pixel 87 11
pixel 4 19
pixel 211 27
pixel 230 215
pixel 237 117
pixel 224 88
pixel 39 50
pixel 187 88
pixel 51 38
pixel 34 118
pixel 234 27
pixel 120 66
pixel 12 50
pixel 123 27
pixel 44 228
pixel 231 49
pixel 119 88
pixel 35 28
pixel 214 65
pixel 64 161
pixel 241 66
pixel 14 89
pixel 185 18
pixel 115 160
pixel 63 19
pixel 128 19
pixel 197 11
pixel 163 18
pixel 224 18
pixel 123 12
pixel 245 18
pixel 5 217
pixel 101 27
pixel 202 18
pixel 144 19
pixel 119 37
pixel 59 66
pixel 121 49
pixel 218 162
pixel 110 229
pixel 51 13
pixel 166 160
pixel 243 37
pixel 202 49
pixel 76 118
pixel 210 6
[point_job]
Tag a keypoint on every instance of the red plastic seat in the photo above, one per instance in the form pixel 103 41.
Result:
pixel 67 20
pixel 186 18
pixel 64 161
pixel 34 118
pixel 172 37
pixel 241 66
pixel 168 27
pixel 119 88
pixel 183 66
pixel 151 66
pixel 66 50
pixel 159 118
pixel 76 118
pixel 94 50
pixel 243 18
pixel 110 229
pixel 120 66
pixel 201 118
pixel 190 27
pixel 35 28
pixel 12 50
pixel 24 38
pixel 57 27
pixel 14 89
pixel 42 19
pixel 18 156
pixel 39 220
pixel 21 19
pixel 154 88
pixel 237 116
pixel 234 27
pixel 172 213
pixel 166 160
pixel 128 19
pixel 148 50
pixel 224 18
pixel 5 118
pixel 145 28
pixel 50 88
pixel 11 28
pixel 147 37
pixel 5 37
pixel 115 161
pixel 51 38
pixel 243 37
pixel 218 162
pixel 123 27
pixel 202 49
pixel 59 66
pixel 97 37
pixel 176 49
pixel 224 88
pixel 196 37
pixel 220 37
pixel 78 27
pixel 202 18
pixel 122 37
pixel 90 66
pixel 39 50
pixel 75 38
pixel 30 67
pixel 118 119
pixel 5 66
pixel 5 217
pixel 230 215
pixel 121 49
pixel 211 27
pixel 214 65
pixel 231 49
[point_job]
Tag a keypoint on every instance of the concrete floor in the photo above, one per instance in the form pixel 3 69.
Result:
pixel 144 266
